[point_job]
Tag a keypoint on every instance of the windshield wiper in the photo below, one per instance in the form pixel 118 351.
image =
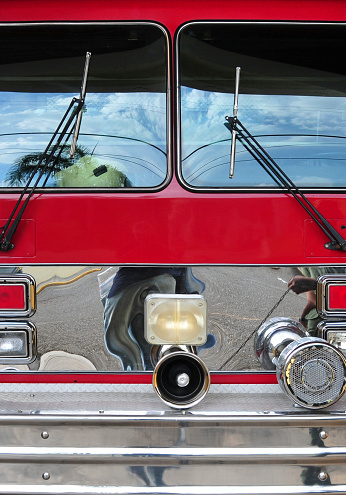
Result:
pixel 48 160
pixel 239 131
pixel 82 98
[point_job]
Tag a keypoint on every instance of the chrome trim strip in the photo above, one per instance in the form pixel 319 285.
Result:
pixel 181 490
pixel 184 454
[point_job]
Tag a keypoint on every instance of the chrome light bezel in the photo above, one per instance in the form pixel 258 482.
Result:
pixel 29 285
pixel 324 284
pixel 29 330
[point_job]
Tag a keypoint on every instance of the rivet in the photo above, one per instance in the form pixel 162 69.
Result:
pixel 46 476
pixel 323 435
pixel 45 435
pixel 323 476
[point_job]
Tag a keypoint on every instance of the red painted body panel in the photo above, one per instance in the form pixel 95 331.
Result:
pixel 259 378
pixel 172 13
pixel 173 226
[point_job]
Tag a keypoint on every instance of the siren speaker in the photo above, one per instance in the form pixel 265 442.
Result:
pixel 309 370
pixel 180 378
pixel 312 372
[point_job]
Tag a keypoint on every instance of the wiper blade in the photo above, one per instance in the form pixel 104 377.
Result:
pixel 48 159
pixel 239 131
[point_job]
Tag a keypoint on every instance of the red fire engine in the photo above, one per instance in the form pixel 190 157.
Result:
pixel 172 247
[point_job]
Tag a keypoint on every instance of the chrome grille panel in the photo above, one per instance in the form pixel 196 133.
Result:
pixel 312 372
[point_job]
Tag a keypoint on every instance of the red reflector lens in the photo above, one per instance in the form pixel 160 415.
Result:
pixel 337 297
pixel 12 296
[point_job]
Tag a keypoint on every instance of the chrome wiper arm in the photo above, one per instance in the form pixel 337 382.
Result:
pixel 82 98
pixel 235 115
pixel 48 159
pixel 278 175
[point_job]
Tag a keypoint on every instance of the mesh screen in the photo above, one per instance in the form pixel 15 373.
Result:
pixel 316 375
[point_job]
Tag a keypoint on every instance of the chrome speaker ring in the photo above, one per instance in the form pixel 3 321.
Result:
pixel 168 384
pixel 312 372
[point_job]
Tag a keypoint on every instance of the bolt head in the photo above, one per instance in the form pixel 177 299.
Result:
pixel 323 476
pixel 323 435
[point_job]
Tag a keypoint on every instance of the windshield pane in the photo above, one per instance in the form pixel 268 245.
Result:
pixel 123 135
pixel 292 99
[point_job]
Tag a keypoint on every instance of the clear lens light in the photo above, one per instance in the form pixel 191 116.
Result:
pixel 13 344
pixel 175 319
pixel 338 339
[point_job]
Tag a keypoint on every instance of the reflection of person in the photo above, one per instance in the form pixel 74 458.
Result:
pixel 307 283
pixel 124 309
pixel 311 475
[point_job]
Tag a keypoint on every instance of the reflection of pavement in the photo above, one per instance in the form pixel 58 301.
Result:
pixel 70 315
pixel 69 318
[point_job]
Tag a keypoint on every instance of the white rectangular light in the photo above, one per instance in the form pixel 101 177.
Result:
pixel 333 332
pixel 17 342
pixel 175 319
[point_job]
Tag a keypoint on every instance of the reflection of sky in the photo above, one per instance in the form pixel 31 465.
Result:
pixel 28 120
pixel 306 135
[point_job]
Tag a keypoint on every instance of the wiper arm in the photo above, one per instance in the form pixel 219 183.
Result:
pixel 49 158
pixel 82 98
pixel 239 131
pixel 235 115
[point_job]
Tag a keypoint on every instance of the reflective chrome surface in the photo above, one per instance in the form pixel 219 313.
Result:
pixel 273 336
pixel 73 310
pixel 312 372
pixel 229 443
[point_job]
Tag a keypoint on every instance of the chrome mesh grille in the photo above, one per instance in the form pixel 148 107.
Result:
pixel 315 374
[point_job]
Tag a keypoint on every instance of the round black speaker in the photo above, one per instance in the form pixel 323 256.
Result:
pixel 181 379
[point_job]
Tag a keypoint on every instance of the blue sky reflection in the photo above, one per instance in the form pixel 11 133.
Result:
pixel 306 135
pixel 122 130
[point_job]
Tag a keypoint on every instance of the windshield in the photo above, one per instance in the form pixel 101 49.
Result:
pixel 292 98
pixel 123 135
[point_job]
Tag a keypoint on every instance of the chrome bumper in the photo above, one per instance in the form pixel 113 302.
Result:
pixel 121 439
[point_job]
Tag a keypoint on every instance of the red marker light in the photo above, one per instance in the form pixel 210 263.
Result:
pixel 336 297
pixel 17 296
pixel 12 297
